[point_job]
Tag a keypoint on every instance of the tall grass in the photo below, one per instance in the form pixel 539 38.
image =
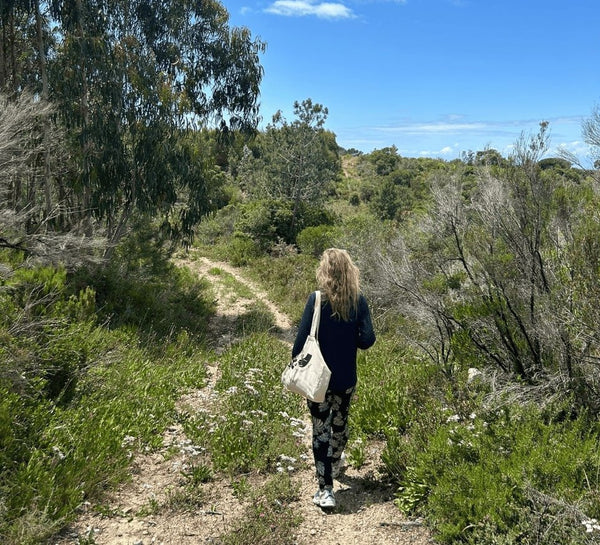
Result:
pixel 77 398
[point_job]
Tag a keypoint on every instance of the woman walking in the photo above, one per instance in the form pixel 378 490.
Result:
pixel 345 326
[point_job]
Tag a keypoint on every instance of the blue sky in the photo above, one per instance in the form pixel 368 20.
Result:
pixel 433 77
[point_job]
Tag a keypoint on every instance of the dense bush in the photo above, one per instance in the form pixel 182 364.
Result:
pixel 512 475
pixel 314 240
pixel 269 221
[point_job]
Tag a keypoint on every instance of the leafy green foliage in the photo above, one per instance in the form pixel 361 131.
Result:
pixel 315 240
pixel 505 473
pixel 394 385
pixel 142 288
pixel 268 221
pixel 293 162
pixel 133 82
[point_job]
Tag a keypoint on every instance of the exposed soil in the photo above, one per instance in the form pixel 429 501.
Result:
pixel 365 513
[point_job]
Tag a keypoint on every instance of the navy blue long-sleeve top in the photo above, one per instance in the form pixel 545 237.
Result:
pixel 338 339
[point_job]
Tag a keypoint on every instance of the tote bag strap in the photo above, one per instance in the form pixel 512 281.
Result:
pixel 314 328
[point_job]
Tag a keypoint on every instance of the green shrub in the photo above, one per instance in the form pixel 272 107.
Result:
pixel 314 240
pixel 159 299
pixel 393 388
pixel 505 477
pixel 268 222
pixel 241 250
pixel 45 347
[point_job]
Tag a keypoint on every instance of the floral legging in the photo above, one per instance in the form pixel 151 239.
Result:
pixel 330 432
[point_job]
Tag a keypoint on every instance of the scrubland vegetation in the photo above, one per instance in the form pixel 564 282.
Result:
pixel 482 274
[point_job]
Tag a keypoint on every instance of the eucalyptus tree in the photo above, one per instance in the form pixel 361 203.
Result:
pixel 133 82
pixel 295 162
pixel 132 79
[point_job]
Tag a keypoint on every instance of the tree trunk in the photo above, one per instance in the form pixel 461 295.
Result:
pixel 13 54
pixel 44 73
pixel 85 115
pixel 119 231
pixel 3 57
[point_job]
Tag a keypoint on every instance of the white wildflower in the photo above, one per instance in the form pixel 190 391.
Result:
pixel 251 388
pixel 285 458
pixel 127 440
pixel 472 374
pixel 591 525
pixel 58 453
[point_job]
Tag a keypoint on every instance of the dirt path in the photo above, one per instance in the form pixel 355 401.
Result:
pixel 365 514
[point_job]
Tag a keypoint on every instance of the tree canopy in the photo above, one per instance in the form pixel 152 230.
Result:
pixel 132 80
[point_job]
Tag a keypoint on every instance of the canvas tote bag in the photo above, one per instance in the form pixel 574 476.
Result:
pixel 307 374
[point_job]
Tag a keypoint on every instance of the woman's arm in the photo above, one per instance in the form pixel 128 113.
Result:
pixel 304 327
pixel 366 333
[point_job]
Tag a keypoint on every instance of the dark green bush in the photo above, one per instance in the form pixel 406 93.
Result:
pixel 46 329
pixel 159 300
pixel 314 240
pixel 241 250
pixel 268 222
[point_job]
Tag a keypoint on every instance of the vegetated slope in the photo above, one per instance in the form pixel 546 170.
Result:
pixel 160 505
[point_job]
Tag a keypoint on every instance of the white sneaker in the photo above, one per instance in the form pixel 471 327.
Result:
pixel 317 497
pixel 324 498
pixel 327 499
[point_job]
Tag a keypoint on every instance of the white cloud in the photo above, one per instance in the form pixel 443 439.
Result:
pixel 299 8
pixel 447 150
pixel 437 127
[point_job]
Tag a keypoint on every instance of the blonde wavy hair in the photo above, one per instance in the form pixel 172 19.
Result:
pixel 338 279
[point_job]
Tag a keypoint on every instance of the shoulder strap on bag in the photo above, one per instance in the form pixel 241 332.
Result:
pixel 314 328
